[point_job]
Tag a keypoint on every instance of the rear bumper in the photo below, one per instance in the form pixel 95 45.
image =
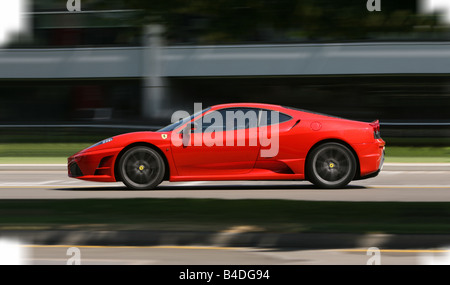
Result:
pixel 371 175
pixel 371 158
pixel 93 166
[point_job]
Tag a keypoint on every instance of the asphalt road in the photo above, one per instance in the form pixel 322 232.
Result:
pixel 395 183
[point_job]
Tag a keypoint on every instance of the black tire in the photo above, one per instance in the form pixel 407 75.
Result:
pixel 331 165
pixel 141 168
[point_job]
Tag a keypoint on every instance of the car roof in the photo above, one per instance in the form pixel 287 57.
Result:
pixel 248 105
pixel 285 109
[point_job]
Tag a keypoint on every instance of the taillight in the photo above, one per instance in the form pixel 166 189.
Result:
pixel 376 129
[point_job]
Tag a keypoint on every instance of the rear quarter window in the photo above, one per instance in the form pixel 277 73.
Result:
pixel 267 116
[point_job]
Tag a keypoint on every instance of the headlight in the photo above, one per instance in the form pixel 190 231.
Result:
pixel 100 143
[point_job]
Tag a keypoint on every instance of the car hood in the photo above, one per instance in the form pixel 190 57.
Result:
pixel 159 139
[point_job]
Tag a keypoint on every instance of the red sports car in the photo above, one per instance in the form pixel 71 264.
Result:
pixel 244 141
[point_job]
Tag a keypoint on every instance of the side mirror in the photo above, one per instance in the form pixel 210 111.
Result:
pixel 185 134
pixel 194 127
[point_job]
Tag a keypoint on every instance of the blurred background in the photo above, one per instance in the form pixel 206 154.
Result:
pixel 78 75
pixel 119 66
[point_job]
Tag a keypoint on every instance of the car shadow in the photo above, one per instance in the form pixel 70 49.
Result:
pixel 236 187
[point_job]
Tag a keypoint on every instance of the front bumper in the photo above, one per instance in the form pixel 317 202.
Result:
pixel 93 165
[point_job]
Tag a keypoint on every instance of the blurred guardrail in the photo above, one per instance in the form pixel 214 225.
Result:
pixel 135 127
pixel 434 132
pixel 416 124
pixel 65 133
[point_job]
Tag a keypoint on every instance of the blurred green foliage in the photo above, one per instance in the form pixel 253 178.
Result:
pixel 233 21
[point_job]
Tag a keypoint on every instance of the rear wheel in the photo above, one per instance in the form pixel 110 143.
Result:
pixel 331 165
pixel 141 168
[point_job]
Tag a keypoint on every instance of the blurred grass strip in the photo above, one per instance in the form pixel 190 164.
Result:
pixel 220 215
pixel 417 154
pixel 40 149
pixel 33 160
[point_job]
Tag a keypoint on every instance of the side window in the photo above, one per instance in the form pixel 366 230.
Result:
pixel 209 122
pixel 229 119
pixel 270 117
pixel 241 118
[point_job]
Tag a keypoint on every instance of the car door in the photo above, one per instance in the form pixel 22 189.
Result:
pixel 274 133
pixel 221 142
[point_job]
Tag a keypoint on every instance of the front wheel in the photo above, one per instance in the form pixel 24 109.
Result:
pixel 141 168
pixel 331 165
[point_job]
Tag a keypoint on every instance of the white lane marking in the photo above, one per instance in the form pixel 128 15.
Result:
pixel 413 172
pixel 30 183
pixel 49 182
pixel 32 164
pixel 416 164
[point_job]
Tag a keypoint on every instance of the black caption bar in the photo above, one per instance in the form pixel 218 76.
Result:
pixel 224 274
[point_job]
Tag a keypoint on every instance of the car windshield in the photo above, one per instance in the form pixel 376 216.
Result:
pixel 175 125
